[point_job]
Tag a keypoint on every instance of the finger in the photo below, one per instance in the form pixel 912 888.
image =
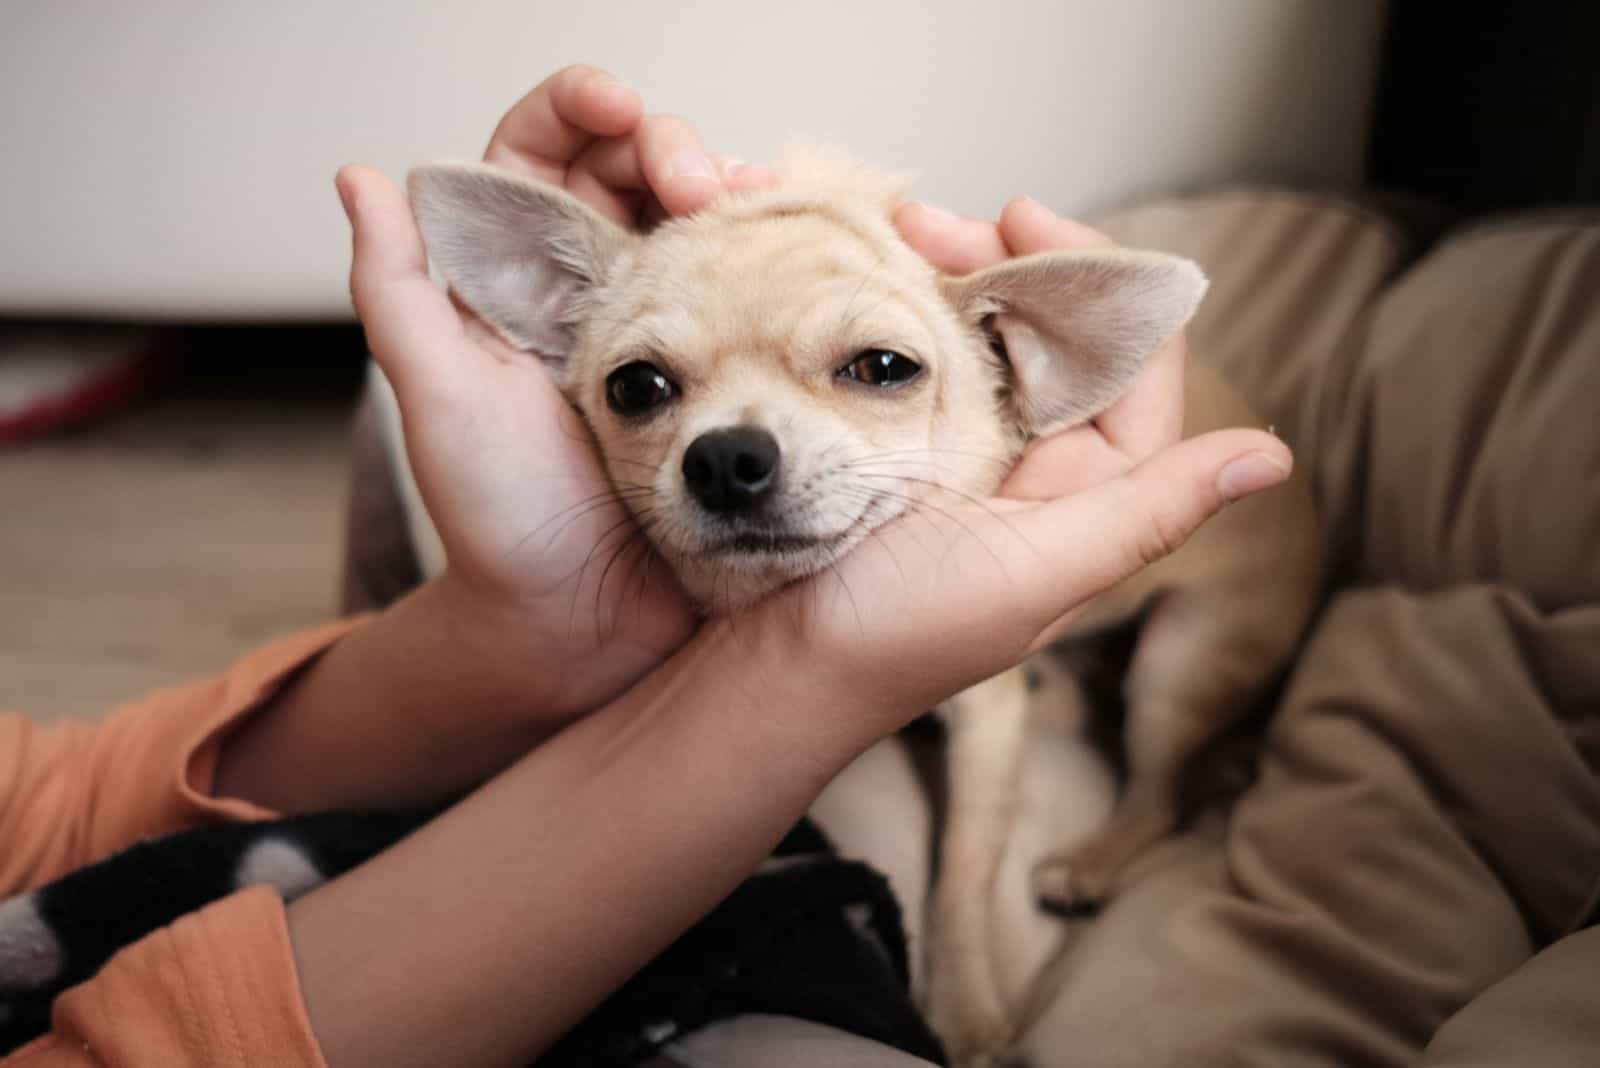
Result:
pixel 412 330
pixel 547 129
pixel 725 165
pixel 608 176
pixel 1067 462
pixel 952 243
pixel 1089 541
pixel 1149 416
pixel 744 177
pixel 1027 226
pixel 737 176
pixel 677 168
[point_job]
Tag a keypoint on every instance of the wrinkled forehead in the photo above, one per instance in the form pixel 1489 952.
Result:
pixel 773 274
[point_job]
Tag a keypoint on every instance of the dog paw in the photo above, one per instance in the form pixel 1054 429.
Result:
pixel 30 954
pixel 977 1044
pixel 974 1031
pixel 1067 884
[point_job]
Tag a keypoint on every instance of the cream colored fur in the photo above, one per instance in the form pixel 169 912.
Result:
pixel 750 309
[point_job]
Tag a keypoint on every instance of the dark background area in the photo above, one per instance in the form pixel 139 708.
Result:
pixel 1488 106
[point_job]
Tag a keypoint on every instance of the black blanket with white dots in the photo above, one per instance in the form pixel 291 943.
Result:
pixel 807 935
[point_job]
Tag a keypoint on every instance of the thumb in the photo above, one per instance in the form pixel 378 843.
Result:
pixel 412 329
pixel 1097 538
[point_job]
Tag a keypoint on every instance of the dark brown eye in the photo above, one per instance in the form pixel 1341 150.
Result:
pixel 638 388
pixel 882 368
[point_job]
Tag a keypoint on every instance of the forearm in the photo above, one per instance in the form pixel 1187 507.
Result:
pixel 520 908
pixel 422 703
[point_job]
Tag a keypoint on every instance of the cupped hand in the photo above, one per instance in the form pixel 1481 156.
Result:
pixel 535 537
pixel 960 589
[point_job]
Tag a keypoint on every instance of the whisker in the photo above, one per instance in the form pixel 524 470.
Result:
pixel 984 456
pixel 587 560
pixel 583 508
pixel 636 463
pixel 838 576
pixel 918 504
pixel 969 498
pixel 633 540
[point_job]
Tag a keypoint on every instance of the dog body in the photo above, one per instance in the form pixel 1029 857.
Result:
pixel 772 379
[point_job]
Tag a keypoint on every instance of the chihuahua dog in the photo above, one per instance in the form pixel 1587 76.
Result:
pixel 773 378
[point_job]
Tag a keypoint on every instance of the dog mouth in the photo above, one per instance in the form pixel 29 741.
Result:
pixel 767 543
pixel 777 543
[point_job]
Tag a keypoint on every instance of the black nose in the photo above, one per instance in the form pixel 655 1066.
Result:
pixel 733 469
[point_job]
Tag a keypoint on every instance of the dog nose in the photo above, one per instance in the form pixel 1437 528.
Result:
pixel 731 470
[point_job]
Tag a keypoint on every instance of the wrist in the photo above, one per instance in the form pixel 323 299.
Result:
pixel 560 653
pixel 425 700
pixel 490 644
pixel 778 696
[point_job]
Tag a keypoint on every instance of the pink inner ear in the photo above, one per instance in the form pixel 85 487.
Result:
pixel 1049 391
pixel 1076 326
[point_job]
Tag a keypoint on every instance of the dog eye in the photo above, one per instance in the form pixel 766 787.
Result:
pixel 881 367
pixel 638 387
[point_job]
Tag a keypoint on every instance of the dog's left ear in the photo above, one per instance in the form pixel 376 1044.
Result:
pixel 1077 326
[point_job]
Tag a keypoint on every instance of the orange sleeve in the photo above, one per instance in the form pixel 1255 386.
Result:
pixel 73 792
pixel 217 989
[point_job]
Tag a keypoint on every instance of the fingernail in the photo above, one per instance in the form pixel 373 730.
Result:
pixel 691 165
pixel 1250 473
pixel 752 176
pixel 604 82
pixel 935 212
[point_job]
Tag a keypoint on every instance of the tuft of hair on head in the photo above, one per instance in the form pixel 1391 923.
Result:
pixel 812 166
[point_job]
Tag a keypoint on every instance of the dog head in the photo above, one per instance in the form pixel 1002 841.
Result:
pixel 771 379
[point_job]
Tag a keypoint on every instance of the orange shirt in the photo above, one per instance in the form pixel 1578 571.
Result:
pixel 218 987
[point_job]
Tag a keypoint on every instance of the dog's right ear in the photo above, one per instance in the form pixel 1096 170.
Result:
pixel 1075 327
pixel 521 254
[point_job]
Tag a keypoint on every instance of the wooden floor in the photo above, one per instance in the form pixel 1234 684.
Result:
pixel 159 545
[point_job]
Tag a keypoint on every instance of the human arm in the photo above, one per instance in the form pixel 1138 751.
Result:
pixel 73 791
pixel 520 635
pixel 544 889
pixel 524 905
pixel 702 822
pixel 446 705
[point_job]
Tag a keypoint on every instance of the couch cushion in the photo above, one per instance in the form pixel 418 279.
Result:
pixel 1460 443
pixel 1291 274
pixel 1421 826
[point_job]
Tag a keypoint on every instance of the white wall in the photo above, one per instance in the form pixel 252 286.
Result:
pixel 174 158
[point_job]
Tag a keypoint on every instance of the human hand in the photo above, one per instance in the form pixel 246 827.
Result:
pixel 586 132
pixel 960 589
pixel 536 539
